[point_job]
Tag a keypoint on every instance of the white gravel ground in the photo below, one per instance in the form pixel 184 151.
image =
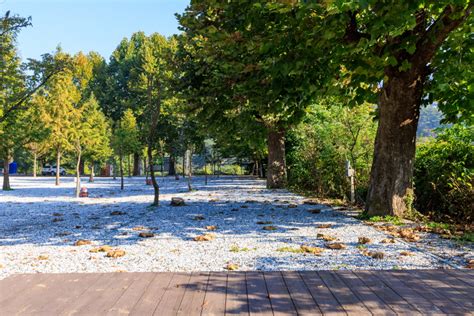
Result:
pixel 235 205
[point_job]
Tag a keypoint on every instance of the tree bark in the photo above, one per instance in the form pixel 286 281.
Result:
pixel 6 172
pixel 58 165
pixel 184 164
pixel 81 167
pixel 91 176
pixel 276 173
pixel 78 174
pixel 172 165
pixel 121 171
pixel 35 164
pixel 136 164
pixel 190 169
pixel 156 188
pixel 391 176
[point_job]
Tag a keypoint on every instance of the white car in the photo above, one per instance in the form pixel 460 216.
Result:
pixel 51 170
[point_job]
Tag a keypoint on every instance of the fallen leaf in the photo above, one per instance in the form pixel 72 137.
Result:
pixel 313 250
pixel 364 240
pixel 104 248
pixel 388 241
pixel 232 266
pixel 115 253
pixel 335 245
pixel 269 228
pixel 406 253
pixel 211 227
pixel 43 257
pixel 324 226
pixel 326 237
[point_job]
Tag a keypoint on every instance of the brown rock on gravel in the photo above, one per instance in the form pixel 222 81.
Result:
pixel 211 227
pixel 231 266
pixel 336 245
pixel 82 242
pixel 115 253
pixel 177 201
pixel 312 250
pixel 269 228
pixel 146 235
pixel 205 237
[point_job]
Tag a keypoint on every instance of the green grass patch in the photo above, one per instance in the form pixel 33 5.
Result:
pixel 290 249
pixel 384 219
pixel 238 249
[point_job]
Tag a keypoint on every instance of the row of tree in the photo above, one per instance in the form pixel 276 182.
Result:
pixel 244 73
pixel 261 64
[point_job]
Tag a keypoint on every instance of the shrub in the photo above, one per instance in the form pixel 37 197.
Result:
pixel 319 147
pixel 444 175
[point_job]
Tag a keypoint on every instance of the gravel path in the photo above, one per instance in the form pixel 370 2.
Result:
pixel 39 224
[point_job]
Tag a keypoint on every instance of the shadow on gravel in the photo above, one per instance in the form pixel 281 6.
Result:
pixel 57 219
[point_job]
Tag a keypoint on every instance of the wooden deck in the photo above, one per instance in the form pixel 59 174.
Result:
pixel 394 292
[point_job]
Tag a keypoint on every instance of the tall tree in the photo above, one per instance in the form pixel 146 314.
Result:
pixel 125 139
pixel 252 58
pixel 397 51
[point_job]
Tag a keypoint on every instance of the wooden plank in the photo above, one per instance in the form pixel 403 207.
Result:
pixel 15 284
pixel 194 295
pixel 132 294
pixel 25 299
pixel 326 301
pixel 214 300
pixel 259 302
pixel 171 300
pixel 395 301
pixel 147 303
pixel 435 280
pixel 409 295
pixel 63 288
pixel 370 299
pixel 300 295
pixel 236 299
pixel 278 293
pixel 467 276
pixel 351 304
pixel 105 297
pixel 426 291
pixel 459 285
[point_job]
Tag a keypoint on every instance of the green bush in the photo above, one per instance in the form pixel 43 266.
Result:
pixel 444 175
pixel 318 148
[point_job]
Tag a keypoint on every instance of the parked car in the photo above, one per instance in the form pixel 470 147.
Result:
pixel 51 170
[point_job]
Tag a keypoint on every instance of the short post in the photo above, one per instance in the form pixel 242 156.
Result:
pixel 350 174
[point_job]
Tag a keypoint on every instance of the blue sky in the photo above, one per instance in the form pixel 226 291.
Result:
pixel 86 25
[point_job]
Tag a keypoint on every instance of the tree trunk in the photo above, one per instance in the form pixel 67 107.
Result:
pixel 121 171
pixel 156 188
pixel 146 168
pixel 78 174
pixel 390 190
pixel 129 166
pixel 190 169
pixel 136 164
pixel 91 176
pixel 6 172
pixel 81 167
pixel 276 173
pixel 184 164
pixel 58 165
pixel 35 164
pixel 172 165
